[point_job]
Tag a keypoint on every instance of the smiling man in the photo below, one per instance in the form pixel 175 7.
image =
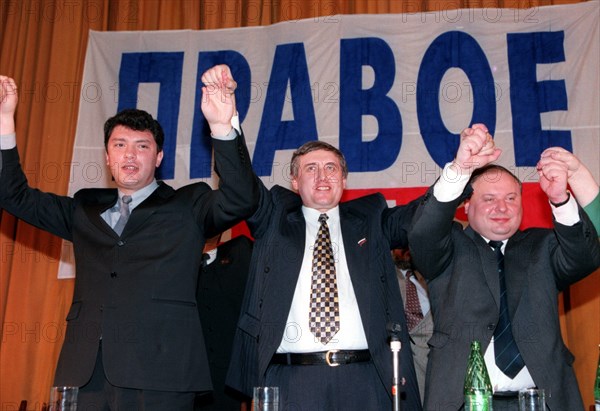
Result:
pixel 134 339
pixel 498 284
pixel 321 291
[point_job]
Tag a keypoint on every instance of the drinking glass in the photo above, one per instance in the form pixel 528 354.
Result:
pixel 532 399
pixel 265 399
pixel 63 399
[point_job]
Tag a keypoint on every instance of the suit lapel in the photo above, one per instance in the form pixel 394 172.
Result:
pixel 103 200
pixel 279 283
pixel 489 264
pixel 142 212
pixel 359 255
pixel 279 288
pixel 516 254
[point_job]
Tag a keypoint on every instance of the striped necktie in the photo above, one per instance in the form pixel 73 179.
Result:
pixel 508 357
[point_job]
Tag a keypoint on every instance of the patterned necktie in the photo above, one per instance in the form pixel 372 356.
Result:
pixel 412 307
pixel 124 211
pixel 324 316
pixel 508 357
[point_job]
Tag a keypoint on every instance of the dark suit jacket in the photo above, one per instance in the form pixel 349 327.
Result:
pixel 464 291
pixel 137 291
pixel 278 228
pixel 220 291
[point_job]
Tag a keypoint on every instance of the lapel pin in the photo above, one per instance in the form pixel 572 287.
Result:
pixel 362 241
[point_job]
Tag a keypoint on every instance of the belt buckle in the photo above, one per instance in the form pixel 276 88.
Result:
pixel 329 356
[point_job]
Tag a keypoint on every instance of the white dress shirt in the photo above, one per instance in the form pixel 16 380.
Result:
pixel 297 337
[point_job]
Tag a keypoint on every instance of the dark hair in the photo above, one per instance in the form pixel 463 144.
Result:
pixel 135 119
pixel 494 170
pixel 314 146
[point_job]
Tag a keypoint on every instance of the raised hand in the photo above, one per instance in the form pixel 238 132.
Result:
pixel 476 149
pixel 560 154
pixel 553 179
pixel 579 177
pixel 218 99
pixel 8 104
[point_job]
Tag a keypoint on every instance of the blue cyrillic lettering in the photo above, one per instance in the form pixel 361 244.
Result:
pixel 529 97
pixel 201 147
pixel 154 67
pixel 289 67
pixel 355 102
pixel 460 50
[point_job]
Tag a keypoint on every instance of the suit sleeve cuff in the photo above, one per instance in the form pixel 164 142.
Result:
pixel 567 214
pixel 451 183
pixel 235 130
pixel 8 141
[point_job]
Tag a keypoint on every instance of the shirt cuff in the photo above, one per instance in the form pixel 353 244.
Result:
pixel 8 141
pixel 235 130
pixel 567 214
pixel 451 183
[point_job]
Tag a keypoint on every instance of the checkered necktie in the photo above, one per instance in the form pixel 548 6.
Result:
pixel 412 307
pixel 324 317
pixel 508 357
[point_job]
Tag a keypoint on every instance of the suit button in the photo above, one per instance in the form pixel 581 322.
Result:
pixel 113 275
pixel 121 243
pixel 101 307
pixel 267 269
pixel 491 326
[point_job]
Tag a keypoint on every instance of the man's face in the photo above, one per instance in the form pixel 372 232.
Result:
pixel 132 157
pixel 495 209
pixel 320 182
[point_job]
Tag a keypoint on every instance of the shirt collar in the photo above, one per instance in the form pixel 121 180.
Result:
pixel 312 214
pixel 140 195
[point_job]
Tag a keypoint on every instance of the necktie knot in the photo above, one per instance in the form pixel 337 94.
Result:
pixel 323 218
pixel 496 245
pixel 124 206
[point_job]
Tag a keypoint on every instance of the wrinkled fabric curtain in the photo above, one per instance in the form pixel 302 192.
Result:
pixel 43 45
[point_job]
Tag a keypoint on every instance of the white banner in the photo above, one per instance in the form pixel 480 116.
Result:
pixel 391 91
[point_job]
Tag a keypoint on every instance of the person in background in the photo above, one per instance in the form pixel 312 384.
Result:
pixel 497 284
pixel 580 179
pixel 219 295
pixel 415 295
pixel 133 338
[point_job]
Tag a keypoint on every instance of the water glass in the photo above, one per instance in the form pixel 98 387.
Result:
pixel 532 399
pixel 265 399
pixel 63 399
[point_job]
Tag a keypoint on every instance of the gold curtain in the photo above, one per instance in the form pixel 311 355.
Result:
pixel 43 45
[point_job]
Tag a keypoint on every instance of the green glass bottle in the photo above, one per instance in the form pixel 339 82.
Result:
pixel 478 388
pixel 597 385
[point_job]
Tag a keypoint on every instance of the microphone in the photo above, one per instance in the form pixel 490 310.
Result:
pixel 394 330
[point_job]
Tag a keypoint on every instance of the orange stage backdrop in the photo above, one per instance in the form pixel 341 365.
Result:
pixel 42 45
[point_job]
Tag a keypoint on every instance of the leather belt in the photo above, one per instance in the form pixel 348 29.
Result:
pixel 333 358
